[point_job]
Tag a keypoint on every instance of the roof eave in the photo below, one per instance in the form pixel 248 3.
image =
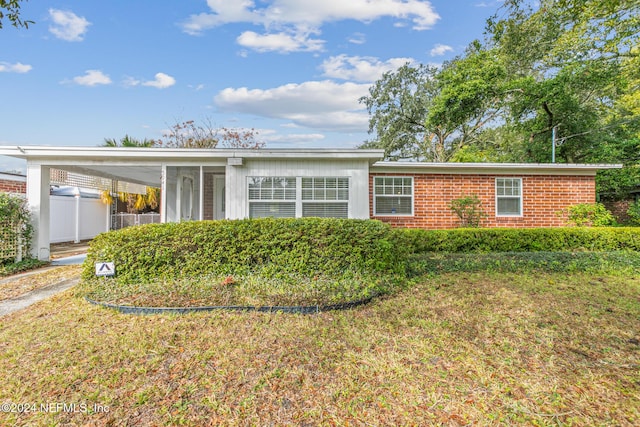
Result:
pixel 492 168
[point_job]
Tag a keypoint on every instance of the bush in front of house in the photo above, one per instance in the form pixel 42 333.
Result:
pixel 588 215
pixel 616 262
pixel 634 213
pixel 306 246
pixel 481 240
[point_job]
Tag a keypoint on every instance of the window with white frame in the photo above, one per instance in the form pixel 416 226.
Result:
pixel 325 197
pixel 295 197
pixel 272 197
pixel 392 195
pixel 509 196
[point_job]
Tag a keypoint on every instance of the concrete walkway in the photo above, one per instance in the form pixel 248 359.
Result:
pixel 25 300
pixel 71 260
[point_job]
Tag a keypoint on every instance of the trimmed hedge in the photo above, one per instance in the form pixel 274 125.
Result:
pixel 308 246
pixel 625 262
pixel 467 240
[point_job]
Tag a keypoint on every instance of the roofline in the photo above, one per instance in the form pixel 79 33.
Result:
pixel 491 168
pixel 155 153
pixel 11 175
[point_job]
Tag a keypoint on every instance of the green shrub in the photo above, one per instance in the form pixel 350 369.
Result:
pixel 634 212
pixel 469 210
pixel 624 262
pixel 589 215
pixel 308 246
pixel 519 239
pixel 20 266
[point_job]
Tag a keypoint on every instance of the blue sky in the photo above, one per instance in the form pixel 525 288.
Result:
pixel 291 69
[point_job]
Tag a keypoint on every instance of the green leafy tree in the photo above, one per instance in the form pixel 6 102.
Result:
pixel 415 112
pixel 128 141
pixel 10 9
pixel 398 106
pixel 572 62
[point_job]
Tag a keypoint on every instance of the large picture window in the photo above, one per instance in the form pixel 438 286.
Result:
pixel 325 197
pixel 392 195
pixel 508 196
pixel 295 197
pixel 272 197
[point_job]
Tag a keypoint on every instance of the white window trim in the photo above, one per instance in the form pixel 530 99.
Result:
pixel 497 197
pixel 413 192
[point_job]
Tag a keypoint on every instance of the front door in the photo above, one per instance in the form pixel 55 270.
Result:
pixel 219 203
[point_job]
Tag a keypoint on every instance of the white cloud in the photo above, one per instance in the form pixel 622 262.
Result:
pixel 92 78
pixel 162 81
pixel 304 16
pixel 440 49
pixel 67 25
pixel 357 38
pixel 18 67
pixel 273 137
pixel 323 105
pixel 130 82
pixel 279 42
pixel 360 68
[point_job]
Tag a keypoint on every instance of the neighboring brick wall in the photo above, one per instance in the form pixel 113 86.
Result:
pixel 7 186
pixel 619 208
pixel 543 197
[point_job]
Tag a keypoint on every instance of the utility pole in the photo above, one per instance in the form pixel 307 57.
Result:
pixel 553 144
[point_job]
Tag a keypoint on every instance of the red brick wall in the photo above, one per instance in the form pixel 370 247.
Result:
pixel 543 196
pixel 7 186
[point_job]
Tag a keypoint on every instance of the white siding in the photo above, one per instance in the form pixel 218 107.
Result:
pixel 356 170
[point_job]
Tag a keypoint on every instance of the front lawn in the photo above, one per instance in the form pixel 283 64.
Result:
pixel 456 349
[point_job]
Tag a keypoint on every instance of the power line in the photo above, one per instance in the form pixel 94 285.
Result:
pixel 631 120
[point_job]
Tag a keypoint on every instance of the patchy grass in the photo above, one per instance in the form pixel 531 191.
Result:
pixel 13 287
pixel 252 289
pixel 457 349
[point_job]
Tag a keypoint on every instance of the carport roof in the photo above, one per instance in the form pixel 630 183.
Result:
pixel 144 165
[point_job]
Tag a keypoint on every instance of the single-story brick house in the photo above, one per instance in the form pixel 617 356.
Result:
pixel 350 183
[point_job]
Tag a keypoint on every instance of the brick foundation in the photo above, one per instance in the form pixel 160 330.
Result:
pixel 543 197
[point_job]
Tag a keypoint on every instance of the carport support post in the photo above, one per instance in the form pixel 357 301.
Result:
pixel 38 182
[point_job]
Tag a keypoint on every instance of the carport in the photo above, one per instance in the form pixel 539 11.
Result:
pixel 177 172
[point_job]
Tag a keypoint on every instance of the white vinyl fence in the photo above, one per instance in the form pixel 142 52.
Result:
pixel 75 218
